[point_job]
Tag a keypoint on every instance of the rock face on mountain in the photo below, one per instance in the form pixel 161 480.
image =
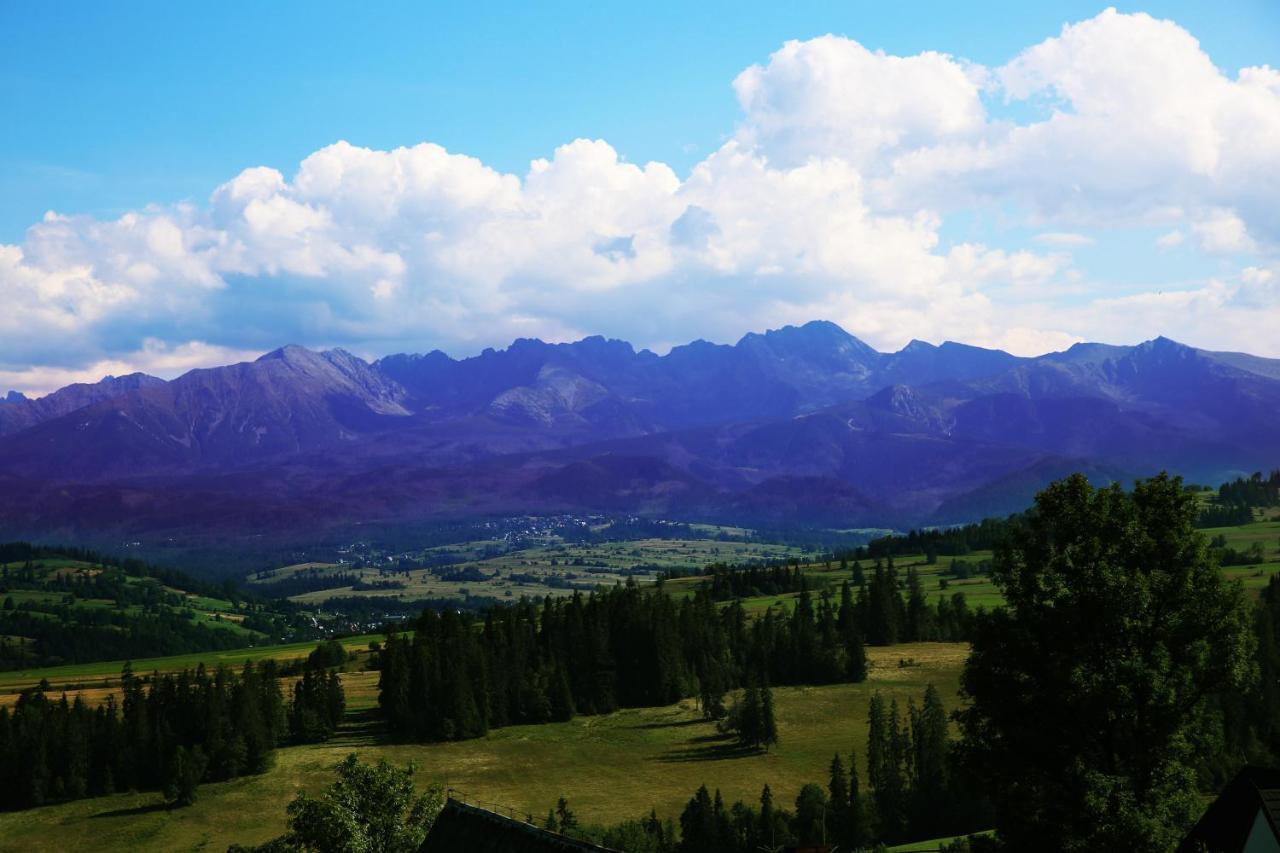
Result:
pixel 799 425
pixel 287 401
pixel 17 412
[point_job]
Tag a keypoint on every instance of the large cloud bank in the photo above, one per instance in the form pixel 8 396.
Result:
pixel 828 200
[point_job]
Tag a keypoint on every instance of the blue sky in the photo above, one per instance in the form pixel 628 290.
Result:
pixel 113 108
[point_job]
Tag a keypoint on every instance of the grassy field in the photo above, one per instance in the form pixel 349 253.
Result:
pixel 602 563
pixel 938 579
pixel 609 767
pixel 586 565
pixel 96 680
pixel 51 590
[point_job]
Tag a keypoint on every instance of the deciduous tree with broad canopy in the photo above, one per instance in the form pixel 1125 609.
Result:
pixel 1086 694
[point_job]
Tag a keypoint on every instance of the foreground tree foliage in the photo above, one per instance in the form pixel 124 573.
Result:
pixel 1088 691
pixel 370 808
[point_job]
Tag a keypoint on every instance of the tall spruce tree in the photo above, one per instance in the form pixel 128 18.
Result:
pixel 885 760
pixel 930 774
pixel 857 830
pixel 838 797
pixel 768 723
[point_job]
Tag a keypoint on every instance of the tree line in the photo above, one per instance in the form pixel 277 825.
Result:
pixel 27 553
pixel 1236 500
pixel 167 732
pixel 1255 490
pixel 460 674
pixel 728 582
pixel 84 634
pixel 951 541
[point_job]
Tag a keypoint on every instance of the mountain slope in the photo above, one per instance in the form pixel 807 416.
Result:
pixel 287 401
pixel 17 412
pixel 803 424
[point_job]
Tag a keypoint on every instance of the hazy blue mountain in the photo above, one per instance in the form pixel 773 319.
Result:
pixel 803 424
pixel 287 401
pixel 17 412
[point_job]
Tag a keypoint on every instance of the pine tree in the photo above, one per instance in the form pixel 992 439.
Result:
pixel 917 609
pixel 811 815
pixel 838 797
pixel 857 830
pixel 929 747
pixel 750 722
pixel 698 824
pixel 884 602
pixel 768 827
pixel 884 766
pixel 855 654
pixel 768 725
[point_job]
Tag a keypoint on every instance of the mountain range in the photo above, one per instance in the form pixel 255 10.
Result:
pixel 801 425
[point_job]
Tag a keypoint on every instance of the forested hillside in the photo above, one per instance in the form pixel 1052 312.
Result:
pixel 67 605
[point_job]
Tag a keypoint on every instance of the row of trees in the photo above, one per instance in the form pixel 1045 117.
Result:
pixel 1236 500
pixel 623 647
pixel 224 724
pixel 151 614
pixel 1254 490
pixel 167 732
pixel 317 706
pixel 894 612
pixel 915 791
pixel 948 541
pixel 728 582
pixel 55 634
pixel 30 555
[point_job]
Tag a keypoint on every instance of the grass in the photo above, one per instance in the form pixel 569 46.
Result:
pixel 601 563
pixel 609 767
pixel 979 591
pixel 96 676
pixel 214 613
pixel 606 563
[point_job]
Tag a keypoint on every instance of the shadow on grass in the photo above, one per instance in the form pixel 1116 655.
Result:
pixel 150 808
pixel 362 728
pixel 716 747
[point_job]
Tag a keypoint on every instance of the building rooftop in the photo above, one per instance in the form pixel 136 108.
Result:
pixel 465 827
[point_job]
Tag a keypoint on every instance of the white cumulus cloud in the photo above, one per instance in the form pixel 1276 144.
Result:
pixel 830 199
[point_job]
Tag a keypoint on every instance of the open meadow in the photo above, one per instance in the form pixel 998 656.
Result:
pixel 97 680
pixel 609 767
pixel 555 568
